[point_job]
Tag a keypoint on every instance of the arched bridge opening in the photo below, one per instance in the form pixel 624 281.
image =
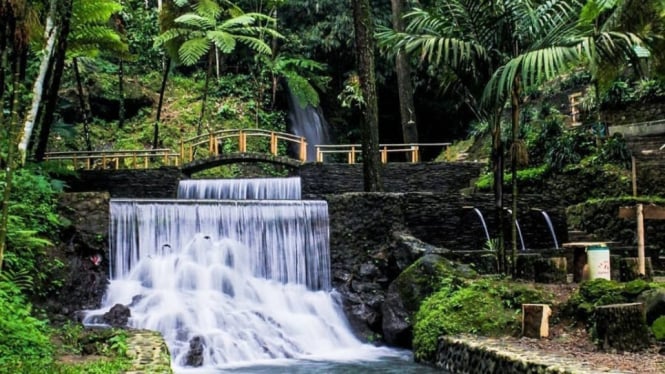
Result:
pixel 235 158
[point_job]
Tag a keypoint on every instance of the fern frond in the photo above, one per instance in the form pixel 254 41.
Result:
pixel 224 41
pixel 196 21
pixel 257 45
pixel 192 50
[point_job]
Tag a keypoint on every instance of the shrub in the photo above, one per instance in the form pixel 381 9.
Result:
pixel 484 307
pixel 658 328
pixel 24 340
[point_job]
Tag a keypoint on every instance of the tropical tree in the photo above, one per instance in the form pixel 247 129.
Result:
pixel 210 27
pixel 369 127
pixel 86 33
pixel 407 107
pixel 498 49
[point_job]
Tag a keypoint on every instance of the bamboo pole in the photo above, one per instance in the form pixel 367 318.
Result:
pixel 634 174
pixel 640 240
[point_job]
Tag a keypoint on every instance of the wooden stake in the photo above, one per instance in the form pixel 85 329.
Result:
pixel 640 239
pixel 634 175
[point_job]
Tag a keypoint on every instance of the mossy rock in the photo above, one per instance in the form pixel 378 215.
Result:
pixel 485 307
pixel 658 328
pixel 425 276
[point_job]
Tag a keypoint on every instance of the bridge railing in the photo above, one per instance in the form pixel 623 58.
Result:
pixel 242 141
pixel 122 159
pixel 353 152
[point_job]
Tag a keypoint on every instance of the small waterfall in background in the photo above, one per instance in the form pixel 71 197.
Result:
pixel 482 220
pixel 550 226
pixel 519 230
pixel 309 123
pixel 247 279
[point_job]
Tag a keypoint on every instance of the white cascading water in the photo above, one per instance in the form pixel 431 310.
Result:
pixel 248 279
pixel 241 189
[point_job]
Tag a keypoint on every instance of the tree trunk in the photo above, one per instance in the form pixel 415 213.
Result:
pixel 162 89
pixel 535 320
pixel 622 327
pixel 47 111
pixel 497 171
pixel 404 87
pixel 515 117
pixel 82 105
pixel 121 93
pixel 9 168
pixel 205 93
pixel 5 29
pixel 51 33
pixel 364 35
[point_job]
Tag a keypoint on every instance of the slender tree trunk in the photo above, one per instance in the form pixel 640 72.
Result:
pixel 121 93
pixel 205 92
pixel 82 105
pixel 515 117
pixel 47 112
pixel 4 45
pixel 51 34
pixel 364 35
pixel 162 89
pixel 404 87
pixel 497 170
pixel 9 168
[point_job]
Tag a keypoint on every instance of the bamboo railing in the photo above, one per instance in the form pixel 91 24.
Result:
pixel 241 141
pixel 354 151
pixel 228 141
pixel 122 159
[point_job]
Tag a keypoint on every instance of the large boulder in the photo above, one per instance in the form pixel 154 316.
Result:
pixel 409 289
pixel 118 316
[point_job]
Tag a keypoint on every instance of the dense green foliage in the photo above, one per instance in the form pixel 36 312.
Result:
pixel 602 292
pixel 485 307
pixel 658 328
pixel 24 340
pixel 32 227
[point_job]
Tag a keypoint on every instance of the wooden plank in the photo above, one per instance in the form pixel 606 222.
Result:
pixel 650 212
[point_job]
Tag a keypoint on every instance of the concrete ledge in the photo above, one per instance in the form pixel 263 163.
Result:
pixel 470 354
pixel 148 351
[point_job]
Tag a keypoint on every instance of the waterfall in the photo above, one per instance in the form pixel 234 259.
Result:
pixel 550 226
pixel 519 231
pixel 241 189
pixel 246 280
pixel 309 123
pixel 482 220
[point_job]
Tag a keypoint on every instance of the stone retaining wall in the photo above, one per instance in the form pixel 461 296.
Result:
pixel 148 183
pixel 471 354
pixel 447 177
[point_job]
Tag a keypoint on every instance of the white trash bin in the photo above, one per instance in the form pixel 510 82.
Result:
pixel 598 259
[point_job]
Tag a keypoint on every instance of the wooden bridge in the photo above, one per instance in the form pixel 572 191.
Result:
pixel 228 147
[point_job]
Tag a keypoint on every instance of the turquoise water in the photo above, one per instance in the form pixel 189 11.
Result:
pixel 402 364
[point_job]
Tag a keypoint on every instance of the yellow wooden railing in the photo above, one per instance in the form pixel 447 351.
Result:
pixel 352 151
pixel 241 141
pixel 122 159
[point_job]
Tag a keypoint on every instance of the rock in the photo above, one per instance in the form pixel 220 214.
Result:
pixel 396 323
pixel 406 293
pixel 195 354
pixel 654 304
pixel 117 316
